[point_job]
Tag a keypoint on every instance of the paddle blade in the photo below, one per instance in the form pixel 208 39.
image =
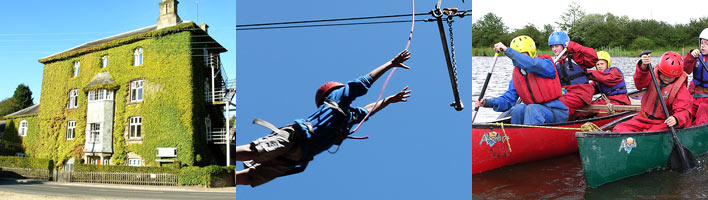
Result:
pixel 675 161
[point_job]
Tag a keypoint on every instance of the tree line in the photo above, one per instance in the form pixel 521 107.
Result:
pixel 599 31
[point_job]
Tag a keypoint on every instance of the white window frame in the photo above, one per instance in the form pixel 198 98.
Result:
pixel 70 130
pixel 23 128
pixel 101 94
pixel 94 133
pixel 74 98
pixel 104 61
pixel 138 57
pixel 135 162
pixel 77 66
pixel 136 91
pixel 135 127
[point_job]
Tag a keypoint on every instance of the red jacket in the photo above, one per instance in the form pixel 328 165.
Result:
pixel 610 79
pixel 678 100
pixel 585 57
pixel 533 89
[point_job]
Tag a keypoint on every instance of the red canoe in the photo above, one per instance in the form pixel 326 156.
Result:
pixel 494 147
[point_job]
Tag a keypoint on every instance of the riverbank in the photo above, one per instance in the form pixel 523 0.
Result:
pixel 614 52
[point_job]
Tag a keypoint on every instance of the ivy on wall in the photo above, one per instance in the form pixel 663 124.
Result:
pixel 173 107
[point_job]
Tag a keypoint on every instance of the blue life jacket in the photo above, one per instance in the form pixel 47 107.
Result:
pixel 570 73
pixel 700 76
pixel 620 88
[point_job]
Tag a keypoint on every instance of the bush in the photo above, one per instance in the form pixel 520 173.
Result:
pixel 118 168
pixel 26 162
pixel 209 176
pixel 642 43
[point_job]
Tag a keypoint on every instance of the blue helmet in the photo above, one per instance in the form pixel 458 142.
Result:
pixel 558 37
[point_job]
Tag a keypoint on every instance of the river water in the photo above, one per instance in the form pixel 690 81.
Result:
pixel 562 177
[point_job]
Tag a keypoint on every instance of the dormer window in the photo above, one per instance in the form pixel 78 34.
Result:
pixel 104 61
pixel 138 57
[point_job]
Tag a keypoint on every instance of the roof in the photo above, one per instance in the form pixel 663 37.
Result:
pixel 127 37
pixel 27 111
pixel 110 38
pixel 101 80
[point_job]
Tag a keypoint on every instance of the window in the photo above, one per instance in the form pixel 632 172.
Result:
pixel 70 130
pixel 138 57
pixel 136 125
pixel 95 95
pixel 104 61
pixel 76 68
pixel 94 133
pixel 206 57
pixel 73 98
pixel 23 128
pixel 136 91
pixel 135 162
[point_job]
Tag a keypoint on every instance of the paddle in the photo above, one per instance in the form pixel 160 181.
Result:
pixel 688 161
pixel 486 83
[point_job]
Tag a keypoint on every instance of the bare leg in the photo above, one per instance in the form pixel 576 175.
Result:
pixel 245 152
pixel 243 178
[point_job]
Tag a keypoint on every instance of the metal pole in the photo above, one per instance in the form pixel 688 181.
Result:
pixel 453 80
pixel 228 137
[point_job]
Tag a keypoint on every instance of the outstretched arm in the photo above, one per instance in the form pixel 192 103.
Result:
pixel 398 97
pixel 395 62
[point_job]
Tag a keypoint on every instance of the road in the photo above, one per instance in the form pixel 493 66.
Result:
pixel 51 190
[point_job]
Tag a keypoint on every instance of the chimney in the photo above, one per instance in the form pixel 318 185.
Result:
pixel 204 27
pixel 168 14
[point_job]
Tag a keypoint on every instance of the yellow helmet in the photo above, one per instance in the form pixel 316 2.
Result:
pixel 603 55
pixel 524 44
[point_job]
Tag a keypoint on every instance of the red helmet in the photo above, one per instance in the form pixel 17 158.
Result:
pixel 324 90
pixel 671 64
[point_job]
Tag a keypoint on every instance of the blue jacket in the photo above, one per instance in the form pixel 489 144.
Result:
pixel 324 121
pixel 539 66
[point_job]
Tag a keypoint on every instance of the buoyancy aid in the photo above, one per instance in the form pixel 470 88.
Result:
pixel 700 76
pixel 651 107
pixel 533 89
pixel 619 88
pixel 571 73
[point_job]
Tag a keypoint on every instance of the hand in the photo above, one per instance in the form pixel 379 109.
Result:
pixel 646 61
pixel 695 53
pixel 400 58
pixel 480 103
pixel 400 96
pixel 499 47
pixel 671 121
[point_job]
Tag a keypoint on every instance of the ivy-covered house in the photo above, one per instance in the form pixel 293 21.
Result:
pixel 148 97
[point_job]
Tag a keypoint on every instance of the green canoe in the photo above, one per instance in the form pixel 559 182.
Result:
pixel 610 156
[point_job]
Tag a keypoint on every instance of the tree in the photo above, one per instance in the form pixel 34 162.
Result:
pixel 531 31
pixel 23 96
pixel 8 106
pixel 488 30
pixel 21 99
pixel 571 16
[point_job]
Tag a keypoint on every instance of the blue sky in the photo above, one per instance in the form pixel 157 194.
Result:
pixel 36 29
pixel 418 150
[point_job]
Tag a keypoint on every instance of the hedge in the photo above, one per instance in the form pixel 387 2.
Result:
pixel 26 162
pixel 209 176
